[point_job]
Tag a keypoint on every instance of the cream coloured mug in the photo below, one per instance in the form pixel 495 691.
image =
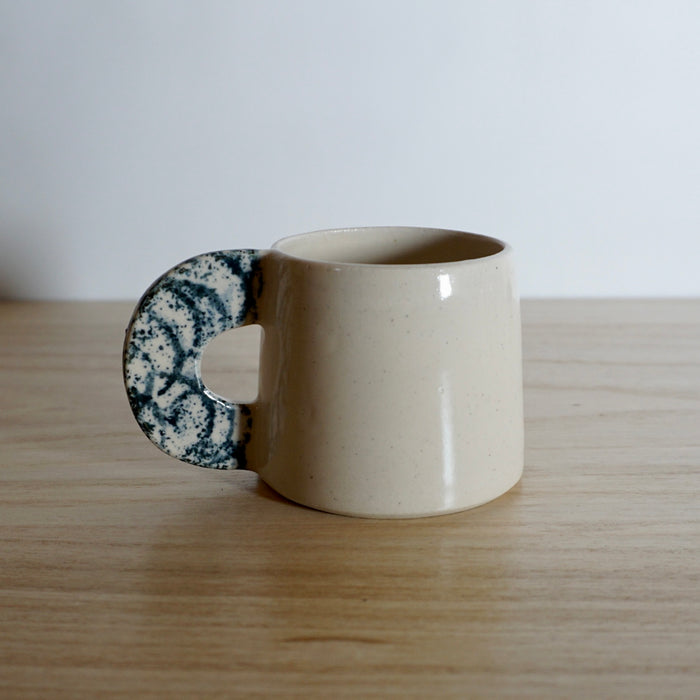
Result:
pixel 390 380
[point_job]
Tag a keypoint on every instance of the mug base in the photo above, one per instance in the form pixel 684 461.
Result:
pixel 397 515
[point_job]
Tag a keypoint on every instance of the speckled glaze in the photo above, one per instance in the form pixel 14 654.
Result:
pixel 390 368
pixel 178 315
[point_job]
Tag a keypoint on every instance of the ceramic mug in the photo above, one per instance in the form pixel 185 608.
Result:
pixel 390 380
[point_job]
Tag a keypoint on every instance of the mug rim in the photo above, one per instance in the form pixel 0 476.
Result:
pixel 280 245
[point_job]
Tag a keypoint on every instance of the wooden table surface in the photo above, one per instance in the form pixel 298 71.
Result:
pixel 124 573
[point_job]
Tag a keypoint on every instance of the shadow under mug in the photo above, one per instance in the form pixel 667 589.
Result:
pixel 390 379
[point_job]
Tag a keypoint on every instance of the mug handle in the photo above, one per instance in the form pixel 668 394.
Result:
pixel 172 323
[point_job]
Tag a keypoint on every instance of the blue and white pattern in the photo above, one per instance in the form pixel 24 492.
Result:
pixel 178 315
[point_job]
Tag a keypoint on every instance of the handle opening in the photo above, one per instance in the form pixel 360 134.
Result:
pixel 231 362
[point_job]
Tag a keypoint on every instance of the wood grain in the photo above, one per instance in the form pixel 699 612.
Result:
pixel 126 574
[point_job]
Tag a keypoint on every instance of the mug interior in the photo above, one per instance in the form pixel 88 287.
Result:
pixel 389 245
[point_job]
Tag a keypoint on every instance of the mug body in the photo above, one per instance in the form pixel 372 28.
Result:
pixel 391 371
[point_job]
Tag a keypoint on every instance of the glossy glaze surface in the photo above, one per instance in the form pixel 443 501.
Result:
pixel 391 389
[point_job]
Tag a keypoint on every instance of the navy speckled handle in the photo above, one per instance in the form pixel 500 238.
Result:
pixel 178 315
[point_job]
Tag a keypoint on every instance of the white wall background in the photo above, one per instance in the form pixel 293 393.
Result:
pixel 135 133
